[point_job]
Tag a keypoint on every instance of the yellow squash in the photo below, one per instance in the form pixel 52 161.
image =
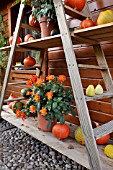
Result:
pixel 105 17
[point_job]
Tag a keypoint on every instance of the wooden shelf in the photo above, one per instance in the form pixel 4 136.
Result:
pixel 90 35
pixel 78 154
pixel 100 96
pixel 28 27
pixel 74 13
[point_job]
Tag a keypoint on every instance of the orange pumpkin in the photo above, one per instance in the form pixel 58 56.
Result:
pixel 29 37
pixel 86 23
pixel 61 131
pixel 29 61
pixel 33 22
pixel 103 140
pixel 76 4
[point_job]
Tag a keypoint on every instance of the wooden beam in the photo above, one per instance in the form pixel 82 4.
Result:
pixel 85 122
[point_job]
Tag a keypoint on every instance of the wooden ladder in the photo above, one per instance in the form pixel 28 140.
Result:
pixel 89 134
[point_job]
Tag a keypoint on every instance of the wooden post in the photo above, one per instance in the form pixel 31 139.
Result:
pixel 83 112
pixel 11 56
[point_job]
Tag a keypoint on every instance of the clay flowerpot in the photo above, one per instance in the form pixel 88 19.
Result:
pixel 42 123
pixel 46 26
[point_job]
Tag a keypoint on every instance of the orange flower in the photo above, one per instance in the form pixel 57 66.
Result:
pixel 29 83
pixel 18 113
pixel 49 95
pixel 50 77
pixel 32 109
pixel 39 81
pixel 23 115
pixel 37 98
pixel 34 79
pixel 43 111
pixel 28 93
pixel 61 78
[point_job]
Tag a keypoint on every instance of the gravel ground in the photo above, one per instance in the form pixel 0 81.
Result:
pixel 19 151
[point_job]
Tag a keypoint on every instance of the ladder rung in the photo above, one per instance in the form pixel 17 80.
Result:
pixel 26 26
pixel 103 130
pixel 27 68
pixel 91 67
pixel 14 99
pixel 100 96
pixel 16 83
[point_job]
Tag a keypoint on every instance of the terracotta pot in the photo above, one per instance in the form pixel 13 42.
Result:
pixel 42 123
pixel 46 26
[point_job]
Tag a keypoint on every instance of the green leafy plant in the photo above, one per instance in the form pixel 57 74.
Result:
pixel 49 99
pixel 43 7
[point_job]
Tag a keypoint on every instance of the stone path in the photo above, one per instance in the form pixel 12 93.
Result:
pixel 19 151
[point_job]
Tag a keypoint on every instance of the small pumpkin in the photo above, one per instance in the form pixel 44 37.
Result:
pixel 17 106
pixel 105 17
pixel 29 37
pixel 86 23
pixel 33 22
pixel 29 61
pixel 103 140
pixel 19 40
pixel 61 131
pixel 26 92
pixel 76 4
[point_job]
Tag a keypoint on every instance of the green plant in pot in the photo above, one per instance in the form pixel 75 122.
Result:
pixel 45 13
pixel 50 99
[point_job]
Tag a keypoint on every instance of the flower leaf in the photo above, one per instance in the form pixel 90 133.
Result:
pixel 62 120
pixel 38 106
pixel 54 105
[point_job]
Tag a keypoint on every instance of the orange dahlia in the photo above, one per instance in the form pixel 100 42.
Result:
pixel 61 78
pixel 39 81
pixel 50 77
pixel 34 79
pixel 49 95
pixel 29 83
pixel 43 111
pixel 18 113
pixel 37 98
pixel 32 109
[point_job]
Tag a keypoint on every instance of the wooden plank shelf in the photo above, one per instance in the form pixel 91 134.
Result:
pixel 100 96
pixel 78 154
pixel 74 13
pixel 26 26
pixel 90 35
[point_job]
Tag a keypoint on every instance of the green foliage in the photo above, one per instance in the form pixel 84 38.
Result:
pixel 3 54
pixel 59 103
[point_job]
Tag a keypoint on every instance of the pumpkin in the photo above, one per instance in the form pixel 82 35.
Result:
pixel 33 22
pixel 29 61
pixel 29 37
pixel 105 17
pixel 86 23
pixel 26 92
pixel 76 4
pixel 19 40
pixel 17 106
pixel 103 140
pixel 61 131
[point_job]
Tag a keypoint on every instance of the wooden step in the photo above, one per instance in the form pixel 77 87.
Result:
pixel 100 96
pixel 103 130
pixel 91 67
pixel 14 99
pixel 26 26
pixel 74 13
pixel 17 83
pixel 77 154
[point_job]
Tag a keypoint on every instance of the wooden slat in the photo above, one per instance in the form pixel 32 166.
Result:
pixel 96 97
pixel 84 118
pixel 17 83
pixel 14 99
pixel 103 130
pixel 30 127
pixel 25 26
pixel 91 67
pixel 74 13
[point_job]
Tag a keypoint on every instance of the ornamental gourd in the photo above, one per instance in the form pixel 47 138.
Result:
pixel 29 61
pixel 33 22
pixel 86 23
pixel 76 4
pixel 29 37
pixel 61 131
pixel 105 17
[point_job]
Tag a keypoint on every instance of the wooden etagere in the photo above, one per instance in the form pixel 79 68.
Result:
pixel 94 35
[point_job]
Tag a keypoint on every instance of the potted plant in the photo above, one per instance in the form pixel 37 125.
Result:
pixel 50 100
pixel 44 12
